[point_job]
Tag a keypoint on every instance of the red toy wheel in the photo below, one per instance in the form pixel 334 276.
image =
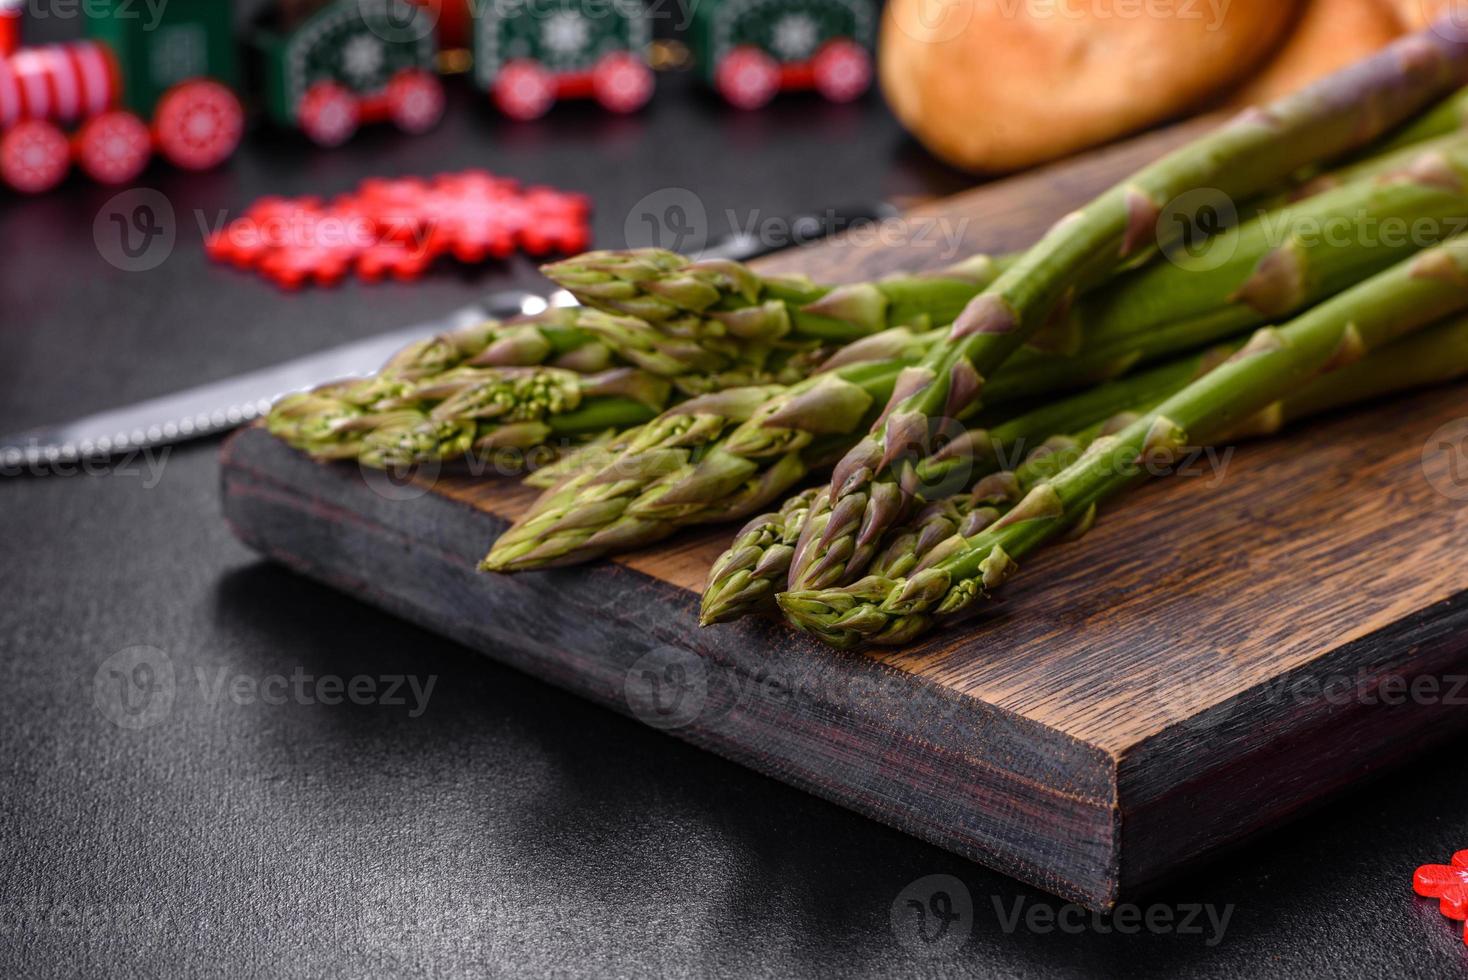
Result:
pixel 329 114
pixel 524 90
pixel 843 70
pixel 114 147
pixel 198 124
pixel 34 157
pixel 621 82
pixel 748 78
pixel 416 101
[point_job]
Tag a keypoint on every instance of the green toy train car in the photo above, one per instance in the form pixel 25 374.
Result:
pixel 530 53
pixel 750 50
pixel 353 62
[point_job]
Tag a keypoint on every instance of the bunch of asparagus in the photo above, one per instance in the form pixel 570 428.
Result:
pixel 1314 348
pixel 970 415
pixel 568 375
pixel 751 445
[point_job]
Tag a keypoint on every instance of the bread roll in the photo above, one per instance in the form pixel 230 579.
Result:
pixel 1416 14
pixel 1329 35
pixel 995 85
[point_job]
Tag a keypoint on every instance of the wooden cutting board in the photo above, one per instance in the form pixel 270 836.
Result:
pixel 1221 652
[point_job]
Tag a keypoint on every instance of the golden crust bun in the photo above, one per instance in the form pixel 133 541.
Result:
pixel 1416 14
pixel 1329 35
pixel 995 85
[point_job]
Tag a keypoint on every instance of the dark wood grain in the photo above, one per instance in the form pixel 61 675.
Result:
pixel 1140 698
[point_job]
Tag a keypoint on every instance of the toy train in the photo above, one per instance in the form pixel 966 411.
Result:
pixel 135 86
pixel 752 49
pixel 166 82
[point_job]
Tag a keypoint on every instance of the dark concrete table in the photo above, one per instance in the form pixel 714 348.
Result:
pixel 241 825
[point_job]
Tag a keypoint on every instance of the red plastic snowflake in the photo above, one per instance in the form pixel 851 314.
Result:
pixel 398 228
pixel 1449 884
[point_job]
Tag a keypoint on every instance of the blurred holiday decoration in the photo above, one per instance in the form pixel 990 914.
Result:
pixel 1448 883
pixel 750 50
pixel 331 67
pixel 142 81
pixel 528 55
pixel 398 228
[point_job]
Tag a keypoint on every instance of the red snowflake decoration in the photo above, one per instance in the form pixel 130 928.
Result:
pixel 398 228
pixel 1449 884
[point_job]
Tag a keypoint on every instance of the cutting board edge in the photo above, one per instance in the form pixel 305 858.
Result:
pixel 904 773
pixel 1341 741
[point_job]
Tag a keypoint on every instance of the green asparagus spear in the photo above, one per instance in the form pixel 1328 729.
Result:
pixel 1435 355
pixel 1273 365
pixel 713 458
pixel 1447 116
pixel 1258 149
pixel 719 302
pixel 384 422
pixel 744 579
pixel 552 338
pixel 1273 265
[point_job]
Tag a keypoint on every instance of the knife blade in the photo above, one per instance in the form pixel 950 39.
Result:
pixel 216 407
